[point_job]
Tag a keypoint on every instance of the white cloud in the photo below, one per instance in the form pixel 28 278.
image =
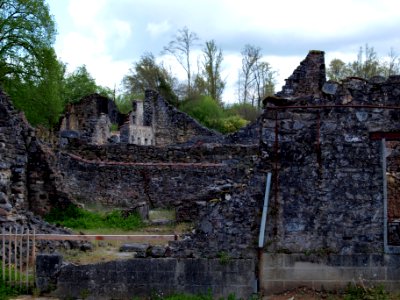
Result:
pixel 156 29
pixel 103 33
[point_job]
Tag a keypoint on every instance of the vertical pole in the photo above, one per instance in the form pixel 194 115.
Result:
pixel 9 255
pixel 385 198
pixel 34 255
pixel 27 259
pixel 264 212
pixel 20 257
pixel 15 256
pixel 3 257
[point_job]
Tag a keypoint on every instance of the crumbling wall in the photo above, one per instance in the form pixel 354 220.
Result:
pixel 172 126
pixel 27 178
pixel 327 202
pixel 91 119
pixel 162 177
pixel 15 134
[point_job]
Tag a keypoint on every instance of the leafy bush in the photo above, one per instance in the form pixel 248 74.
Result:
pixel 77 218
pixel 212 115
pixel 244 110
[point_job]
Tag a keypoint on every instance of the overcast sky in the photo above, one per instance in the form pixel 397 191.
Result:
pixel 109 35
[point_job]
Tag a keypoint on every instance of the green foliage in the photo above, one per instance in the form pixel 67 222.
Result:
pixel 212 115
pixel 124 102
pixel 224 258
pixel 367 65
pixel 147 74
pixel 79 84
pixel 244 110
pixel 7 291
pixel 77 218
pixel 29 70
pixel 358 292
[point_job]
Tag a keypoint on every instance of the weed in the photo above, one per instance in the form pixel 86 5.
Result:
pixel 77 218
pixel 224 258
pixel 84 294
pixel 114 127
pixel 360 292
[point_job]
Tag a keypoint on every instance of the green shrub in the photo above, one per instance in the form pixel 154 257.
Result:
pixel 212 115
pixel 77 218
pixel 358 292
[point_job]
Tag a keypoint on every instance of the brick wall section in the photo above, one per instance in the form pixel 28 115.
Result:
pixel 144 277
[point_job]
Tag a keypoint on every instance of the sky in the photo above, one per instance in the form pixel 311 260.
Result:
pixel 108 36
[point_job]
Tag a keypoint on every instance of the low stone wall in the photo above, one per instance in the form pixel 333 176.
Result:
pixel 145 277
pixel 282 272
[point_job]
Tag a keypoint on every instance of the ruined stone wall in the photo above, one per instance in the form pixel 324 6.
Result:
pixel 327 200
pixel 162 177
pixel 308 78
pixel 15 134
pixel 91 118
pixel 172 126
pixel 28 180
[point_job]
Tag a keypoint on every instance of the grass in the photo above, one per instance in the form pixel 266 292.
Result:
pixel 7 291
pixel 77 218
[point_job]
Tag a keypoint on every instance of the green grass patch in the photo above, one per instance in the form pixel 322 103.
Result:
pixel 8 290
pixel 78 218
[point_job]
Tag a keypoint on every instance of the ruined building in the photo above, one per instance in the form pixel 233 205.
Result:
pixel 333 212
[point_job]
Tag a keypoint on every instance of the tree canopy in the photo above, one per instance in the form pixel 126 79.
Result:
pixel 29 69
pixel 367 65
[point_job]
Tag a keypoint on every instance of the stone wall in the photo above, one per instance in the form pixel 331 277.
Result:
pixel 146 277
pixel 321 271
pixel 91 119
pixel 172 126
pixel 326 155
pixel 29 181
pixel 162 177
pixel 15 134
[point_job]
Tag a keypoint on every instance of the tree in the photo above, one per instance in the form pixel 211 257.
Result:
pixel 29 70
pixel 26 29
pixel 337 70
pixel 180 47
pixel 39 97
pixel 79 84
pixel 392 66
pixel 147 74
pixel 256 77
pixel 213 58
pixel 264 81
pixel 250 56
pixel 367 65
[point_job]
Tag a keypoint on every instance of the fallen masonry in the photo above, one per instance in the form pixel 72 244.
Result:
pixel 333 215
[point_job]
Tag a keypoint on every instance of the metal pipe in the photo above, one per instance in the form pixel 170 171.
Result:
pixel 385 198
pixel 264 213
